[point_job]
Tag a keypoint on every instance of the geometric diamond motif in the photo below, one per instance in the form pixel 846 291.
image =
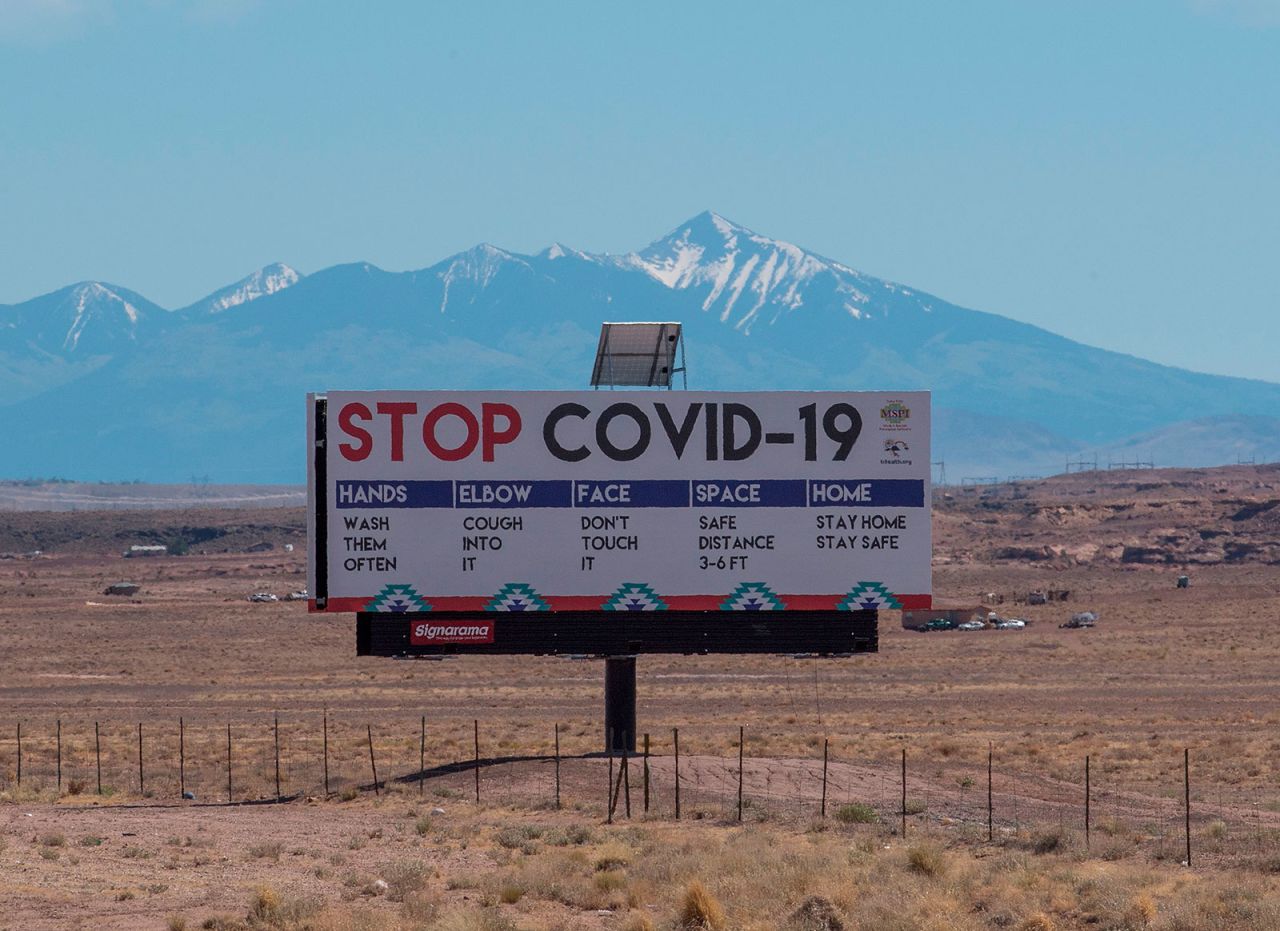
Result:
pixel 635 596
pixel 752 596
pixel 397 599
pixel 517 596
pixel 869 596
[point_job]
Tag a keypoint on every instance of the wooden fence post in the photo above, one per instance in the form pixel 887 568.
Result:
pixel 675 736
pixel 142 786
pixel 476 725
pixel 277 739
pixel 741 741
pixel 59 756
pixel 228 762
pixel 97 753
pixel 1186 788
pixel 325 731
pixel 904 793
pixel 608 786
pixel 182 758
pixel 19 754
pixel 372 762
pixel 1086 801
pixel 557 765
pixel 626 775
pixel 646 774
pixel 825 743
pixel 422 758
pixel 990 808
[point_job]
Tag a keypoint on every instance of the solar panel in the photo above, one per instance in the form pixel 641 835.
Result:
pixel 637 355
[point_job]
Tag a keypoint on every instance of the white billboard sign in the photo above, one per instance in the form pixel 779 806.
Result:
pixel 620 501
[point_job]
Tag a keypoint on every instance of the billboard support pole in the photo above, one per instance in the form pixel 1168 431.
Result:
pixel 620 703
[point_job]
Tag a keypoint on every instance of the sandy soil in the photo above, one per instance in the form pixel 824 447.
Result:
pixel 1164 670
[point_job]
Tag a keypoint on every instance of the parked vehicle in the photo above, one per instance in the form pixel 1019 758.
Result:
pixel 1013 623
pixel 971 625
pixel 263 596
pixel 1083 619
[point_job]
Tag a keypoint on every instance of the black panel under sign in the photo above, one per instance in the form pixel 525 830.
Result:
pixel 610 633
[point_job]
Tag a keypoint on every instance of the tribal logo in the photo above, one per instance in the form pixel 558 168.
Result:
pixel 397 599
pixel 517 596
pixel 752 596
pixel 635 596
pixel 869 596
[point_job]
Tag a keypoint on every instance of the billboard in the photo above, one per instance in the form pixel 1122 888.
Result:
pixel 606 504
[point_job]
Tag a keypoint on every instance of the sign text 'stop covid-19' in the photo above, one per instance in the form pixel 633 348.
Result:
pixel 547 501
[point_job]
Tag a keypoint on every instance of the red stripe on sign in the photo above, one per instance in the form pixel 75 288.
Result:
pixel 915 602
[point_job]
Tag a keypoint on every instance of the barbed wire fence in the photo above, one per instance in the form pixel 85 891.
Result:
pixel 718 774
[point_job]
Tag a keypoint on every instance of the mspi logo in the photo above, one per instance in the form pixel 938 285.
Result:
pixel 429 633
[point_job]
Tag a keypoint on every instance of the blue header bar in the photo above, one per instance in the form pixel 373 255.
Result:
pixel 631 494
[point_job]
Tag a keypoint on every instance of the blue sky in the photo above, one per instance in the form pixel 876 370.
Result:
pixel 1107 170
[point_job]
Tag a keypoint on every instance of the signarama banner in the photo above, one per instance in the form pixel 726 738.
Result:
pixel 532 501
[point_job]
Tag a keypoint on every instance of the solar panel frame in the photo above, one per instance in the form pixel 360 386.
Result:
pixel 636 355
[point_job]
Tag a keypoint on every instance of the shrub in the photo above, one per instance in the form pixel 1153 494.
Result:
pixel 856 813
pixel 927 860
pixel 266 851
pixel 264 904
pixel 405 877
pixel 815 914
pixel 1048 842
pixel 53 839
pixel 701 911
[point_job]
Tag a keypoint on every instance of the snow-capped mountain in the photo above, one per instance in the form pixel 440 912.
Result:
pixel 745 278
pixel 265 281
pixel 103 384
pixel 83 319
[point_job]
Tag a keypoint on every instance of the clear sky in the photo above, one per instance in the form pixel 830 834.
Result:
pixel 1107 169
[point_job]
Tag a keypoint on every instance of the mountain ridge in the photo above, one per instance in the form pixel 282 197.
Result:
pixel 759 313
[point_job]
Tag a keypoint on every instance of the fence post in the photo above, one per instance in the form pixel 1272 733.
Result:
pixel 608 786
pixel 825 743
pixel 277 739
pixel 990 807
pixel 1086 801
pixel 741 741
pixel 557 765
pixel 626 774
pixel 228 762
pixel 59 756
pixel 19 754
pixel 142 786
pixel 325 730
pixel 373 763
pixel 476 724
pixel 1186 787
pixel 646 774
pixel 97 753
pixel 904 793
pixel 422 758
pixel 182 759
pixel 675 733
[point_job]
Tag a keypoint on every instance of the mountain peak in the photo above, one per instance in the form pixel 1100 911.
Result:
pixel 747 277
pixel 267 280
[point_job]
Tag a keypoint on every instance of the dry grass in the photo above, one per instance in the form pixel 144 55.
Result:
pixel 701 910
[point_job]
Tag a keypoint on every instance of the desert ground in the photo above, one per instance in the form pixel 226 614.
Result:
pixel 1165 672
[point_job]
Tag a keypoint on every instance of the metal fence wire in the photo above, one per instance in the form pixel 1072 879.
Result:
pixel 1104 809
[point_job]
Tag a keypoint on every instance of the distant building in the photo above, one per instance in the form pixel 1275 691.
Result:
pixel 157 549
